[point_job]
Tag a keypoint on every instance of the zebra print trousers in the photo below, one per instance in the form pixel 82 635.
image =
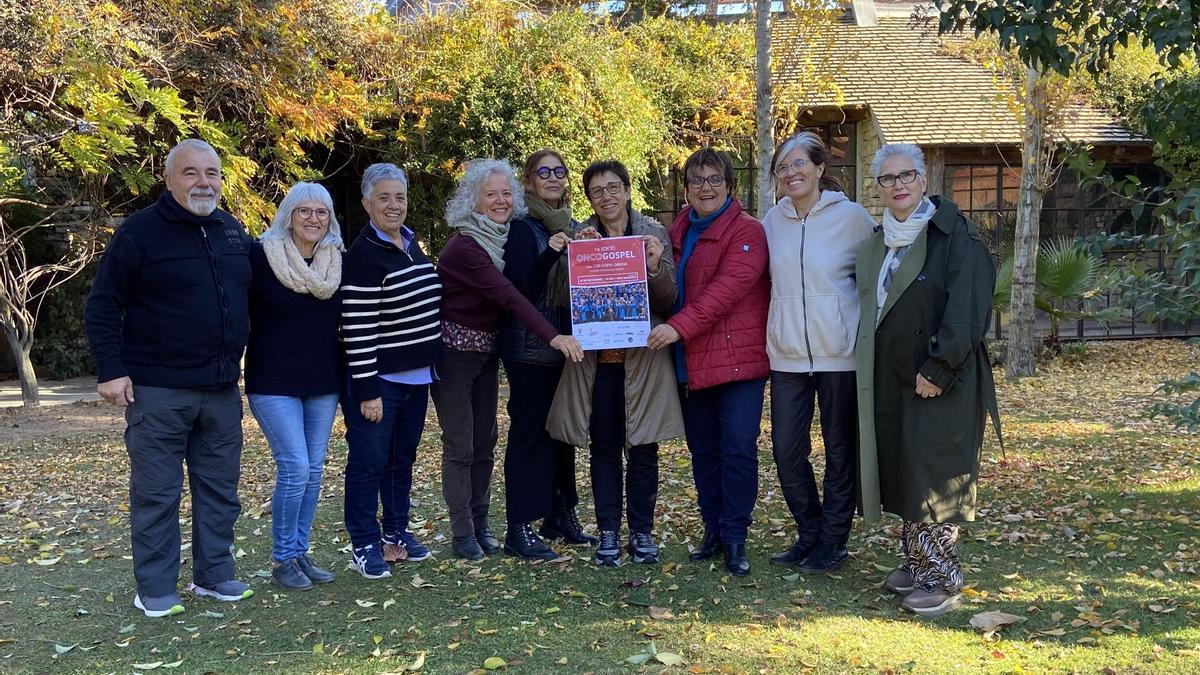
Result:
pixel 931 555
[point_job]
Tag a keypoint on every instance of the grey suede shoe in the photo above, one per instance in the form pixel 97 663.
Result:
pixel 226 591
pixel 900 581
pixel 290 576
pixel 315 574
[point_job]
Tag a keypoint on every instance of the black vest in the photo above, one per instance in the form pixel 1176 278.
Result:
pixel 518 343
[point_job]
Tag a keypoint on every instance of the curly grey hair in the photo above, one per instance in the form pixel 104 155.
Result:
pixel 462 204
pixel 381 172
pixel 902 149
pixel 302 192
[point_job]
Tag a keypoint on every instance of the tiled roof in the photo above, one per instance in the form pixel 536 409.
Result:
pixel 920 96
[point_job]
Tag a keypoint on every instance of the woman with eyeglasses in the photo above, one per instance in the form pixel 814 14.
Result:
pixel 293 371
pixel 925 383
pixel 539 471
pixel 622 400
pixel 717 332
pixel 814 233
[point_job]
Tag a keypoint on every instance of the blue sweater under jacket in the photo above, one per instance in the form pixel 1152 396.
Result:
pixel 168 305
pixel 294 349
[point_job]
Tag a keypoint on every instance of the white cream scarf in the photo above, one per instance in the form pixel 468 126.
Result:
pixel 320 279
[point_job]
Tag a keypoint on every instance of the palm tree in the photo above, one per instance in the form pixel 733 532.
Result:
pixel 1068 275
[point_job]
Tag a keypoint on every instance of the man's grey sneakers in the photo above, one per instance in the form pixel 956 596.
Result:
pixel 931 603
pixel 642 549
pixel 226 591
pixel 167 605
pixel 900 581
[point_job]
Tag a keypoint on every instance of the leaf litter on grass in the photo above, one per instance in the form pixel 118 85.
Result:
pixel 1089 530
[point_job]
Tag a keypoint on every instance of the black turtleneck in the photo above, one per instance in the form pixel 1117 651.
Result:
pixel 168 306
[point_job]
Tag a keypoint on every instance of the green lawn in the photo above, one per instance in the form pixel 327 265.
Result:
pixel 1089 531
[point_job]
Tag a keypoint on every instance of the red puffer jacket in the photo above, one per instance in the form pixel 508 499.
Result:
pixel 727 292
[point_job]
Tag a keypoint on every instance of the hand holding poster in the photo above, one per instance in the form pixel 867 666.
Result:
pixel 610 308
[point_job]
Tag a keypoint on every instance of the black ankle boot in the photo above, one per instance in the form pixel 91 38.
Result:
pixel 735 560
pixel 564 524
pixel 794 554
pixel 467 547
pixel 487 541
pixel 521 541
pixel 710 545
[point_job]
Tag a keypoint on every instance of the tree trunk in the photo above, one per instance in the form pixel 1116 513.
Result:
pixel 20 351
pixel 765 123
pixel 1022 341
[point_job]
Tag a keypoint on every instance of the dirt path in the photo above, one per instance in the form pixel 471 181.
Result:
pixel 18 425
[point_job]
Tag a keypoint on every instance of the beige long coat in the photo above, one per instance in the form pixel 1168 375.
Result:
pixel 652 410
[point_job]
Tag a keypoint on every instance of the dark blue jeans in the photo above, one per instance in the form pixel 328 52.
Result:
pixel 722 424
pixel 380 460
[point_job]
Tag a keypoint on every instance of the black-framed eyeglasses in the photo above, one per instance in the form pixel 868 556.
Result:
pixel 888 180
pixel 544 172
pixel 599 190
pixel 791 167
pixel 305 213
pixel 716 180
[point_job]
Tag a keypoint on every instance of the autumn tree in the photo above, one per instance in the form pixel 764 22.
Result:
pixel 764 138
pixel 93 94
pixel 1051 37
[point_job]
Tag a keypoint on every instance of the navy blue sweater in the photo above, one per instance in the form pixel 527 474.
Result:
pixel 293 348
pixel 168 305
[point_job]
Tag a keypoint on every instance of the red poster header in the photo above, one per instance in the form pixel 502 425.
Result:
pixel 606 262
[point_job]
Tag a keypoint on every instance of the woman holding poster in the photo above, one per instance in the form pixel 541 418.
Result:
pixel 539 471
pixel 594 396
pixel 719 330
pixel 475 295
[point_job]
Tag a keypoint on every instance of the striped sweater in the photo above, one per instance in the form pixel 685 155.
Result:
pixel 391 299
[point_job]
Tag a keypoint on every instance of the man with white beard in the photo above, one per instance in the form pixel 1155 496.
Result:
pixel 167 323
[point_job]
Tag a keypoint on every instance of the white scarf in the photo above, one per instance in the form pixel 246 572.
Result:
pixel 902 233
pixel 487 233
pixel 320 279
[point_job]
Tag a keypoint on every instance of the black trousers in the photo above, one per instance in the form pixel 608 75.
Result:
pixel 792 409
pixel 608 446
pixel 167 427
pixel 536 467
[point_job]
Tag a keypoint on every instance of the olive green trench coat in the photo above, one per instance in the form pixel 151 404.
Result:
pixel 919 457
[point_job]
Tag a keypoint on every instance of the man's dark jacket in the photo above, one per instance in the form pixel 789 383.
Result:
pixel 168 307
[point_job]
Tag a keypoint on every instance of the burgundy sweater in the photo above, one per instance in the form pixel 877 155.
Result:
pixel 475 294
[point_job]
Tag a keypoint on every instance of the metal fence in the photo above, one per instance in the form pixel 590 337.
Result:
pixel 998 229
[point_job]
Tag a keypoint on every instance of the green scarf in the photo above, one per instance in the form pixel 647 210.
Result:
pixel 555 220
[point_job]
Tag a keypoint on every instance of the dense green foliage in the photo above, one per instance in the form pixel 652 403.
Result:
pixel 269 84
pixel 1067 284
pixel 1063 36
